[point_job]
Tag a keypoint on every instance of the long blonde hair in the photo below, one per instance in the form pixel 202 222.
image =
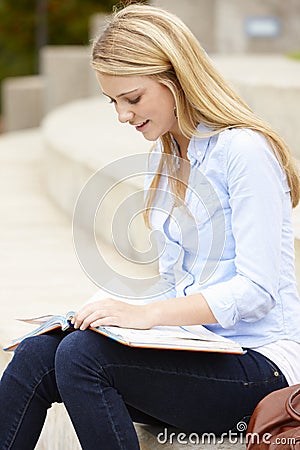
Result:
pixel 146 40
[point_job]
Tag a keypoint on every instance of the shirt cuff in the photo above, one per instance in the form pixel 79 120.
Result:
pixel 237 299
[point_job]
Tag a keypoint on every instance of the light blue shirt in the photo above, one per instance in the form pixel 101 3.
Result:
pixel 233 241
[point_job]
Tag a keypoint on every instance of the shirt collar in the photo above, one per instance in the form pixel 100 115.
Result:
pixel 198 145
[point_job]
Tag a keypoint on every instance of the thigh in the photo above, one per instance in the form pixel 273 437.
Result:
pixel 194 391
pixel 35 355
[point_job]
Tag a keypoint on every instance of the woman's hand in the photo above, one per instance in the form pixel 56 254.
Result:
pixel 190 310
pixel 112 312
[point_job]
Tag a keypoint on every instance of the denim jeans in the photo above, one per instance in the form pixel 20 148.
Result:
pixel 107 386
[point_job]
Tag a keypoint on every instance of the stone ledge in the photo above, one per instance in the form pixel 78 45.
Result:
pixel 270 84
pixel 58 434
pixel 23 102
pixel 88 132
pixel 67 72
pixel 155 438
pixel 82 138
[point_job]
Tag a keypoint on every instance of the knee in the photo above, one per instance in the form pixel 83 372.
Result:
pixel 78 355
pixel 32 356
pixel 37 349
pixel 70 358
pixel 67 352
pixel 78 348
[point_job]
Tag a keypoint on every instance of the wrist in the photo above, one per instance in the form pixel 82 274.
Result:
pixel 153 313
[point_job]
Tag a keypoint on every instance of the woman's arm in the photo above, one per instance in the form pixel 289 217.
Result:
pixel 260 208
pixel 189 310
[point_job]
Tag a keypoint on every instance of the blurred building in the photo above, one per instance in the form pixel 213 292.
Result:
pixel 241 26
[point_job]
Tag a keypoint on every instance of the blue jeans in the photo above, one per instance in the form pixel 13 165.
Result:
pixel 107 386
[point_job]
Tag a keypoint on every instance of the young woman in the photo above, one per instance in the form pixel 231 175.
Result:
pixel 161 81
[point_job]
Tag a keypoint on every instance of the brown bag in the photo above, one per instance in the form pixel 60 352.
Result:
pixel 275 422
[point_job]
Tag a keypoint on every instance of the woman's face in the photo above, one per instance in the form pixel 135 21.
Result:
pixel 142 102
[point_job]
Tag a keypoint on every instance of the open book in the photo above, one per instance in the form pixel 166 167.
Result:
pixel 194 337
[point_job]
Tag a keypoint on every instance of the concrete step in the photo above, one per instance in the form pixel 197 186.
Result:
pixel 155 438
pixel 41 272
pixel 82 138
pixel 267 82
pixel 58 434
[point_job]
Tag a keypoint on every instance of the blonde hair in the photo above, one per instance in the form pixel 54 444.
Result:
pixel 146 40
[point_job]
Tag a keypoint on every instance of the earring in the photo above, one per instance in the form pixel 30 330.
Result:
pixel 175 112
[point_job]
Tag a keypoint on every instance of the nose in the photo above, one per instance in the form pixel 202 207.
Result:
pixel 124 114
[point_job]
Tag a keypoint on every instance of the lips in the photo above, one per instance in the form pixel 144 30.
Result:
pixel 140 126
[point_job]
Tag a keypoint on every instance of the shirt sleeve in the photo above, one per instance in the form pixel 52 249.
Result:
pixel 256 188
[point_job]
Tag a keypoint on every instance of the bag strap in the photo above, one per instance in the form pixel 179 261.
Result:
pixel 289 405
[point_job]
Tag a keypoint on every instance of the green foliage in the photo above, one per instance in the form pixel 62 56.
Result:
pixel 16 38
pixel 294 55
pixel 68 19
pixel 67 22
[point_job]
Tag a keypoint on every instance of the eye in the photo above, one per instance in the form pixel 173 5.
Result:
pixel 111 100
pixel 134 101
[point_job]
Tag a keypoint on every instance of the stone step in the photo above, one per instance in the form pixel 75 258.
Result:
pixel 21 94
pixel 58 434
pixel 155 438
pixel 41 273
pixel 76 149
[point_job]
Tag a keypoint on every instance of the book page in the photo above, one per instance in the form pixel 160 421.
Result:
pixel 164 334
pixel 170 337
pixel 204 333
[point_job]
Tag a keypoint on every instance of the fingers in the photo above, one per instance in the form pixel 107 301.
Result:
pixel 106 321
pixel 94 312
pixel 84 323
pixel 111 312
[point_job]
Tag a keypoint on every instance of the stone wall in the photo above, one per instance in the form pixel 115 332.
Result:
pixel 22 102
pixel 235 26
pixel 66 73
pixel 231 18
pixel 199 15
